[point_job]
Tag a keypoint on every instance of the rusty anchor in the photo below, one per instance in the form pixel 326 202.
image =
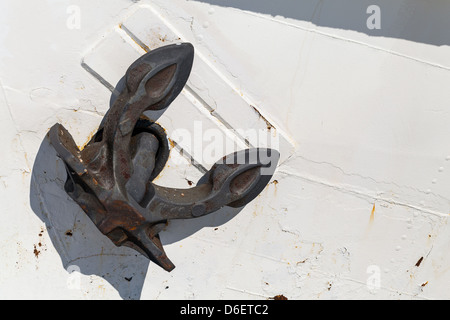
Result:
pixel 111 178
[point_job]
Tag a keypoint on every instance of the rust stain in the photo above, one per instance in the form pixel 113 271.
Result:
pixel 279 297
pixel 372 215
pixel 424 284
pixel 26 161
pixel 89 138
pixel 275 183
pixel 419 262
pixel 36 252
pixel 171 142
pixel 143 47
pixel 269 125
pixel 429 239
pixel 39 245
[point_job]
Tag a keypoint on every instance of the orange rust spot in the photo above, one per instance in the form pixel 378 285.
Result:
pixel 424 284
pixel 172 143
pixel 91 135
pixel 372 215
pixel 36 252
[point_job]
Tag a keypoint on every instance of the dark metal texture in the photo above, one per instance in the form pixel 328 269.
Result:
pixel 111 178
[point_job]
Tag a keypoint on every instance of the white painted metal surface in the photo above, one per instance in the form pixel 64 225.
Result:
pixel 358 207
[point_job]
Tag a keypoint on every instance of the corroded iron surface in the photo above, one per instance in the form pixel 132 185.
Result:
pixel 111 179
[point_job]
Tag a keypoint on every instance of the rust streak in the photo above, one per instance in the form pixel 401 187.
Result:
pixel 419 262
pixel 372 214
pixel 269 125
